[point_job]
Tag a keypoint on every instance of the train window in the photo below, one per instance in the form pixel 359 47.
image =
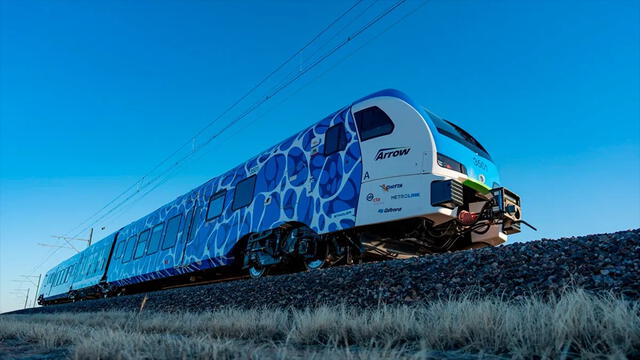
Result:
pixel 142 244
pixel 453 131
pixel 373 122
pixel 244 192
pixel 128 251
pixel 119 249
pixel 216 204
pixel 156 236
pixel 70 275
pixel 171 235
pixel 335 139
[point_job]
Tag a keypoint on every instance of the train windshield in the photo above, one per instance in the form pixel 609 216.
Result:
pixel 458 134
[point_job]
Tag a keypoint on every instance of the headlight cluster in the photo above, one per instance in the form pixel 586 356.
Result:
pixel 448 163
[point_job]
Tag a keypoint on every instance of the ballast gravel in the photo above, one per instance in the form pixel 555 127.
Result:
pixel 596 263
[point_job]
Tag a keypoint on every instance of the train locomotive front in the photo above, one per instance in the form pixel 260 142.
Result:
pixel 428 185
pixel 380 178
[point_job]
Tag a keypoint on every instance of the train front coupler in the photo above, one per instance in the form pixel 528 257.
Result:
pixel 489 215
pixel 504 207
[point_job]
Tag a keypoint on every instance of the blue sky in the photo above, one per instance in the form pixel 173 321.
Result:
pixel 93 94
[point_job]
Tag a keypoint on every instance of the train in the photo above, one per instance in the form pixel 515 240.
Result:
pixel 381 178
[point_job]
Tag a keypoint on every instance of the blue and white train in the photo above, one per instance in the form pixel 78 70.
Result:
pixel 380 178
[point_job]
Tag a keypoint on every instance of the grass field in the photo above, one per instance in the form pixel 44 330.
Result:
pixel 573 325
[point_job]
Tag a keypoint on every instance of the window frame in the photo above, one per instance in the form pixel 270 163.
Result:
pixel 159 241
pixel 235 192
pixel 458 134
pixel 120 249
pixel 146 242
pixel 132 239
pixel 164 236
pixel 342 135
pixel 217 195
pixel 359 124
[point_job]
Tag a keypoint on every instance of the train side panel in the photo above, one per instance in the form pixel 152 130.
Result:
pixel 61 279
pixel 297 180
pixel 151 248
pixel 92 266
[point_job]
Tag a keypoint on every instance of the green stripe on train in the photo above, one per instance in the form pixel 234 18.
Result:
pixel 477 186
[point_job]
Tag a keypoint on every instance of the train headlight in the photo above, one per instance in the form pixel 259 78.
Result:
pixel 448 163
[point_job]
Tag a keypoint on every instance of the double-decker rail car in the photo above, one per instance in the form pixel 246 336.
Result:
pixel 380 178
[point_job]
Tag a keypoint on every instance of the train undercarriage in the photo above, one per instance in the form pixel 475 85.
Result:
pixel 294 247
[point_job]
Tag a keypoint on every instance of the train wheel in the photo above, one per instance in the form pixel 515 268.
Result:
pixel 319 260
pixel 257 271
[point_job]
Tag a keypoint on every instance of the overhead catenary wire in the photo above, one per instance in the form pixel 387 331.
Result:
pixel 167 173
pixel 140 183
pixel 220 116
pixel 258 103
pixel 340 61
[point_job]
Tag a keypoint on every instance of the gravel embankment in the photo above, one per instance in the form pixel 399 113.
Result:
pixel 598 263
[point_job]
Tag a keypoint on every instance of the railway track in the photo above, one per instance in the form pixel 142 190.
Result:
pixel 603 263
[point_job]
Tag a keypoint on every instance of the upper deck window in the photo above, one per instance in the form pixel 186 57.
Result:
pixel 171 235
pixel 373 122
pixel 335 139
pixel 119 249
pixel 142 244
pixel 128 252
pixel 156 236
pixel 453 131
pixel 216 205
pixel 244 192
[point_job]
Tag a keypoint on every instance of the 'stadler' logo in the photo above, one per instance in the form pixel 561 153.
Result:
pixel 392 152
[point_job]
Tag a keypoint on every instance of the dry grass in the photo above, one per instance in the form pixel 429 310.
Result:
pixel 573 325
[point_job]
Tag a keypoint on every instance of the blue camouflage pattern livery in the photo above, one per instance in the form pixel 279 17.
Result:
pixel 295 182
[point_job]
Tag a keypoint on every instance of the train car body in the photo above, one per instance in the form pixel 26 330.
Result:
pixel 382 175
pixel 80 276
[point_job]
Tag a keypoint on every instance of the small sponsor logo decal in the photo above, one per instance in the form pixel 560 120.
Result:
pixel 389 210
pixel 390 187
pixel 482 178
pixel 392 153
pixel 343 213
pixel 405 196
pixel 371 197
